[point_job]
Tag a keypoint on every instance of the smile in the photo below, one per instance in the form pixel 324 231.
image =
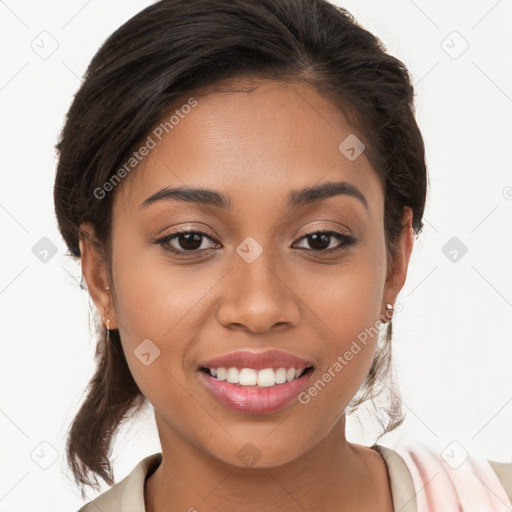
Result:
pixel 264 378
pixel 255 382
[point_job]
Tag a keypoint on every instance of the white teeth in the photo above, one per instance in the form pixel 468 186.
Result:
pixel 266 378
pixel 262 378
pixel 248 377
pixel 281 376
pixel 232 375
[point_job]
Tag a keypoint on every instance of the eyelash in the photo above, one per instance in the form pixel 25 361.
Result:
pixel 347 242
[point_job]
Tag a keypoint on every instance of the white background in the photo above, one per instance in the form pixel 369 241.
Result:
pixel 452 342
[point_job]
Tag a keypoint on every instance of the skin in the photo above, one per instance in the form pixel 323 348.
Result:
pixel 256 145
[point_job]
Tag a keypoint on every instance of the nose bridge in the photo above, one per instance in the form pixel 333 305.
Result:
pixel 256 294
pixel 256 267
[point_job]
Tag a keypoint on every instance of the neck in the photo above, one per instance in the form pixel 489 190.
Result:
pixel 334 475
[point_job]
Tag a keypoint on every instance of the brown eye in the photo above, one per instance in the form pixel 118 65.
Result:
pixel 320 241
pixel 184 242
pixel 189 241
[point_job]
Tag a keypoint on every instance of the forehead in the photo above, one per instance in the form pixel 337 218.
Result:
pixel 251 139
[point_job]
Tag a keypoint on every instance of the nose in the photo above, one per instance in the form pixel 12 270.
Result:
pixel 258 296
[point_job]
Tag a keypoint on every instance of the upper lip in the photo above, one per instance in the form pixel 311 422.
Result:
pixel 257 360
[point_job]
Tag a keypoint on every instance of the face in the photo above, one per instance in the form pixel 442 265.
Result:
pixel 307 278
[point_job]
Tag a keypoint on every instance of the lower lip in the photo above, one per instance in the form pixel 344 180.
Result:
pixel 253 399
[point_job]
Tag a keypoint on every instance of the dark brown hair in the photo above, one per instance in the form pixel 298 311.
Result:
pixel 167 52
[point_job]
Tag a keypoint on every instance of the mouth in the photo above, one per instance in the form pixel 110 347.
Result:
pixel 257 378
pixel 252 391
pixel 255 382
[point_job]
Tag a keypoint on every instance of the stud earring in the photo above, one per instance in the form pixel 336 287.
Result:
pixel 390 311
pixel 108 328
pixel 108 321
pixel 388 315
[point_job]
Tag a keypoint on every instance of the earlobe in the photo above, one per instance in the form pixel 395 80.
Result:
pixel 94 272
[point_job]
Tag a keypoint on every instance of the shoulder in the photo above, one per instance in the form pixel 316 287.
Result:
pixel 450 475
pixel 503 471
pixel 400 479
pixel 126 495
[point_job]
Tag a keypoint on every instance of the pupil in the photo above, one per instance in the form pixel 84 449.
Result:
pixel 322 237
pixel 192 241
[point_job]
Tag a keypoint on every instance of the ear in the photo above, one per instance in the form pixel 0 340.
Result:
pixel 399 264
pixel 94 270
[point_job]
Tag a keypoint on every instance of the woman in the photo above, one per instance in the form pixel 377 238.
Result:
pixel 242 181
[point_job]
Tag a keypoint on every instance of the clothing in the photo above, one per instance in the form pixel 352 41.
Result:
pixel 420 482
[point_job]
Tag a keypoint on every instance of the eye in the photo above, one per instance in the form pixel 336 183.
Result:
pixel 191 242
pixel 185 241
pixel 320 241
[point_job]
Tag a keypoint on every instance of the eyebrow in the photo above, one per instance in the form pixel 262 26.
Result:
pixel 296 198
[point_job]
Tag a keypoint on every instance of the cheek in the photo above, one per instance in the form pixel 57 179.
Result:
pixel 345 305
pixel 154 296
pixel 162 303
pixel 347 298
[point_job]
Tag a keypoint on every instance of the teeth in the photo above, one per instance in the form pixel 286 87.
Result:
pixel 266 378
pixel 281 376
pixel 248 377
pixel 261 378
pixel 232 375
